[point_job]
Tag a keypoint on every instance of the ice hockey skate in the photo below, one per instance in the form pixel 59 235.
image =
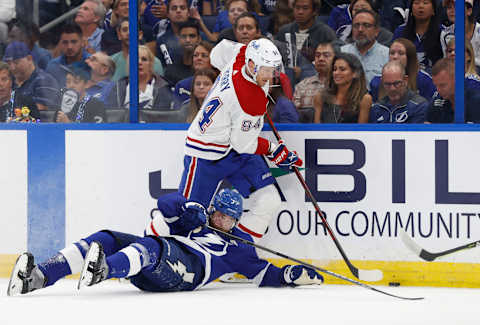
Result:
pixel 95 268
pixel 25 277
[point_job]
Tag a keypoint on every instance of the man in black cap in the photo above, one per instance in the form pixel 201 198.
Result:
pixel 29 80
pixel 77 105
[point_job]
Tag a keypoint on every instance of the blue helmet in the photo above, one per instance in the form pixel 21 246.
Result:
pixel 229 202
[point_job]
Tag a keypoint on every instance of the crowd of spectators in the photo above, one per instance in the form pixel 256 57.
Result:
pixel 350 61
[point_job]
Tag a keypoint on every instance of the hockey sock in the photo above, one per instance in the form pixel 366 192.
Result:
pixel 70 259
pixel 108 242
pixel 55 268
pixel 132 259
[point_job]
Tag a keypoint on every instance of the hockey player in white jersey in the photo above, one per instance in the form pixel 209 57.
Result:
pixel 223 140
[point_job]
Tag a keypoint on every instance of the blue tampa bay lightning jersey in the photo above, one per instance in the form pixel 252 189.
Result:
pixel 218 254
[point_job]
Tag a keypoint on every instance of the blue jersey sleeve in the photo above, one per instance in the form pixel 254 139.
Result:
pixel 398 32
pixel 425 85
pixel 180 221
pixel 336 17
pixel 247 263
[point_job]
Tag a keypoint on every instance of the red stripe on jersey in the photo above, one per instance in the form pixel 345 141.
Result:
pixel 153 229
pixel 190 176
pixel 207 143
pixel 262 146
pixel 248 231
pixel 251 97
pixel 240 59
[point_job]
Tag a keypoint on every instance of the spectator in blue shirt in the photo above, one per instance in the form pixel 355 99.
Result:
pixel 29 34
pixel 73 50
pixel 403 51
pixel 226 18
pixel 341 20
pixel 177 13
pixel 102 69
pixel 31 81
pixel 373 55
pixel 400 104
pixel 10 99
pixel 189 38
pixel 393 13
pixel 245 29
pixel 423 29
pixel 111 44
pixel 442 107
pixel 89 17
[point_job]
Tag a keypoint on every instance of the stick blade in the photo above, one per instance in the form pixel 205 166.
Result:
pixel 370 275
pixel 410 243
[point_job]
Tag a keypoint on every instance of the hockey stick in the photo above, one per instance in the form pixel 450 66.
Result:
pixel 365 275
pixel 429 256
pixel 366 286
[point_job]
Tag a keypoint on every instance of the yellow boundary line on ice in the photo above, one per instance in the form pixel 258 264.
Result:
pixel 425 274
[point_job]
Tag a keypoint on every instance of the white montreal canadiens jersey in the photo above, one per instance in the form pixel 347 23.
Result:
pixel 231 116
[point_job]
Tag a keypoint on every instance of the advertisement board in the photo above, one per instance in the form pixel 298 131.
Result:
pixel 370 185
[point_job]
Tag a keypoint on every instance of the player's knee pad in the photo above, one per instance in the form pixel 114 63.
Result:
pixel 266 202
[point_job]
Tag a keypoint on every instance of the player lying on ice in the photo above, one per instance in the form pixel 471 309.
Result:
pixel 187 259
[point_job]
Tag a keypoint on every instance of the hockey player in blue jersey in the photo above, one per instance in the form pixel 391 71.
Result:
pixel 190 257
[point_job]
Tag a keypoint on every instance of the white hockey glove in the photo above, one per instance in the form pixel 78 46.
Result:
pixel 301 275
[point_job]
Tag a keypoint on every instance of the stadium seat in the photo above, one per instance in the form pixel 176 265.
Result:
pixel 48 116
pixel 118 115
pixel 153 116
pixel 306 114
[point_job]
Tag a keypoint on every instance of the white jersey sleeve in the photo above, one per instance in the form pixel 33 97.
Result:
pixel 224 53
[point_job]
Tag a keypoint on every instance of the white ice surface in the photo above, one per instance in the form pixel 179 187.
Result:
pixel 116 303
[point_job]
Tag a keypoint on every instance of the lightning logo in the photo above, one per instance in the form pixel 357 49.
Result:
pixel 209 241
pixel 181 269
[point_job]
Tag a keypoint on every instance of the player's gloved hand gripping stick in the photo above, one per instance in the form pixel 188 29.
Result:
pixel 365 275
pixel 283 158
pixel 301 275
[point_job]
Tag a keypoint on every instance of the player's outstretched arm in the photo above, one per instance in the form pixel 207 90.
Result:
pixel 289 275
pixel 301 275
